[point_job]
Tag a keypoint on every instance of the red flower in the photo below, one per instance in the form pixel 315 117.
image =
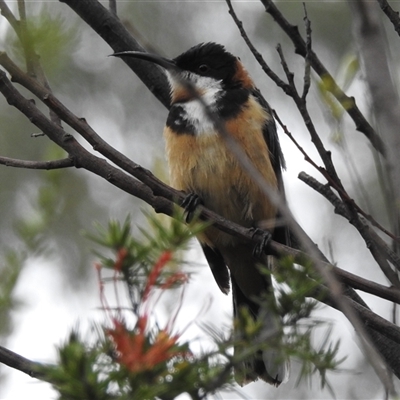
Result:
pixel 137 350
pixel 155 272
pixel 136 354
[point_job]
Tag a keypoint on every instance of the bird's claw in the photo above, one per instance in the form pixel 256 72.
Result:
pixel 259 248
pixel 190 203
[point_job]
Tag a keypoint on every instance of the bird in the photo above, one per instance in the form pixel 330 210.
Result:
pixel 208 80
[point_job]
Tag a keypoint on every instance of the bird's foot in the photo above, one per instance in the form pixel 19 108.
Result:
pixel 190 203
pixel 259 248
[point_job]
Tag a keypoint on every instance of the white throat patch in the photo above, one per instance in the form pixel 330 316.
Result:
pixel 193 110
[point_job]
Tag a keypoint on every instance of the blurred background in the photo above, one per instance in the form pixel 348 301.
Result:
pixel 43 214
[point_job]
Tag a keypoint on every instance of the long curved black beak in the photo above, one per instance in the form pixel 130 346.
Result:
pixel 167 64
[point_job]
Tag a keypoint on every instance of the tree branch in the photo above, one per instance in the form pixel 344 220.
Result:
pixel 391 14
pixel 348 103
pixel 56 164
pixel 342 192
pixel 9 16
pixel 20 363
pixel 377 246
pixel 111 29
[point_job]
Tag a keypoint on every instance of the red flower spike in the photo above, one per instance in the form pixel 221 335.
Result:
pixel 132 350
pixel 155 272
pixel 98 267
pixel 178 277
pixel 121 255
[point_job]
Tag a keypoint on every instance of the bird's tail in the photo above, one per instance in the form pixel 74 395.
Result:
pixel 264 364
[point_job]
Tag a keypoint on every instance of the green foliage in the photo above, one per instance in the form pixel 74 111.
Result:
pixel 78 375
pixel 49 36
pixel 138 361
pixel 160 234
pixel 136 258
pixel 143 360
pixel 327 87
pixel 97 372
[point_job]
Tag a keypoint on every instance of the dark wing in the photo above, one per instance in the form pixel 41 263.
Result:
pixel 218 267
pixel 281 233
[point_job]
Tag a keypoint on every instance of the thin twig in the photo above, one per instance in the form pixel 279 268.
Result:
pixel 391 14
pixel 348 103
pixel 378 248
pixel 343 193
pixel 307 64
pixel 82 127
pixel 56 164
pixel 258 56
pixel 26 42
pixel 9 16
pixel 367 286
pixel 289 89
pixel 302 107
pixel 364 230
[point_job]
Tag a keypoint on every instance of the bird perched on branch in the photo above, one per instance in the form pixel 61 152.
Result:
pixel 210 87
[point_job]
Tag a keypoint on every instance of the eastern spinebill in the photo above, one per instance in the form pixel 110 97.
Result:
pixel 201 163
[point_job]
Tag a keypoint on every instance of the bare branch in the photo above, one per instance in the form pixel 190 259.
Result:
pixel 111 29
pixel 81 157
pixel 333 179
pixel 391 255
pixel 357 282
pixel 279 82
pixel 20 363
pixel 84 129
pixel 290 89
pixel 377 247
pixel 348 103
pixel 307 65
pixel 391 14
pixel 56 164
pixel 26 43
pixel 9 16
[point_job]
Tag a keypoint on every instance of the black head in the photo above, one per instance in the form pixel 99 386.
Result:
pixel 209 59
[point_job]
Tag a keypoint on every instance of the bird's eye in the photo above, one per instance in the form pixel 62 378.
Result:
pixel 203 68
